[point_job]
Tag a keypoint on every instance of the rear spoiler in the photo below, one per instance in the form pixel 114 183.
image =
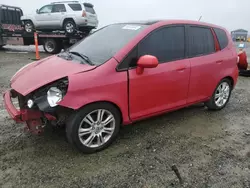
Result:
pixel 88 5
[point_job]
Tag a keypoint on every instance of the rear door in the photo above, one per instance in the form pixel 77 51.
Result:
pixel 205 65
pixel 58 12
pixel 90 14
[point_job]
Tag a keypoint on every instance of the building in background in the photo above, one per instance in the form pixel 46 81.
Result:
pixel 239 34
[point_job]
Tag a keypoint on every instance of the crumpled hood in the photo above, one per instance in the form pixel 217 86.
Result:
pixel 45 71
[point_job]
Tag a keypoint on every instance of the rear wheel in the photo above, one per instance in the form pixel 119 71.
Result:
pixel 52 46
pixel 94 127
pixel 28 26
pixel 220 96
pixel 69 26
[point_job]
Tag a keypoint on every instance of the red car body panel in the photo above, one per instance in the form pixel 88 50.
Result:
pixel 167 87
pixel 149 92
pixel 43 72
pixel 101 84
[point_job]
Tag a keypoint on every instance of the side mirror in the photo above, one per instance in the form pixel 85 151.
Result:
pixel 37 11
pixel 146 61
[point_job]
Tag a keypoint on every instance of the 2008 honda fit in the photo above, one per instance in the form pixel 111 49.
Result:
pixel 123 73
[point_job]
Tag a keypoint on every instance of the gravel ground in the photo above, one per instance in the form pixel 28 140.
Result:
pixel 210 149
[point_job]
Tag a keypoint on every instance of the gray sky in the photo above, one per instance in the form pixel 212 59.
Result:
pixel 231 14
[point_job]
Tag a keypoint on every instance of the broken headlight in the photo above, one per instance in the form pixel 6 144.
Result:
pixel 48 97
pixel 54 96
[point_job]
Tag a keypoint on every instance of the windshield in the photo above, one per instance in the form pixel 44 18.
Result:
pixel 104 43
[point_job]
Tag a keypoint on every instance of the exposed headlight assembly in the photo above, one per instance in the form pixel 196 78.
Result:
pixel 49 96
pixel 54 96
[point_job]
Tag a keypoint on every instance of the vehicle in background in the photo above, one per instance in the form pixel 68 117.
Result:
pixel 100 83
pixel 12 32
pixel 9 22
pixel 65 15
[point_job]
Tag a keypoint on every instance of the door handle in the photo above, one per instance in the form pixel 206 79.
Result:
pixel 219 61
pixel 181 68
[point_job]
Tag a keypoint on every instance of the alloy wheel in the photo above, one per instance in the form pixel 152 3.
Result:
pixel 96 128
pixel 222 94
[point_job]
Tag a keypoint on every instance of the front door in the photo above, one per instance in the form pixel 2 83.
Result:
pixel 43 17
pixel 166 86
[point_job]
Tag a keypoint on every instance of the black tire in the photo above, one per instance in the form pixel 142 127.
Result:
pixel 211 104
pixel 74 122
pixel 52 46
pixel 71 24
pixel 29 26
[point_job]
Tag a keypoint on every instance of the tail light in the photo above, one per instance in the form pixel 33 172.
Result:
pixel 84 14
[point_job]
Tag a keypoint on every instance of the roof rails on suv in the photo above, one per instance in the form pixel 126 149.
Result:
pixel 65 2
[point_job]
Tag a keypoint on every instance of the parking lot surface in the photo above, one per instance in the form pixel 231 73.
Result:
pixel 210 149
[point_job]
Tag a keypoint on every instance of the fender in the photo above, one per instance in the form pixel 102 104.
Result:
pixel 29 17
pixel 101 84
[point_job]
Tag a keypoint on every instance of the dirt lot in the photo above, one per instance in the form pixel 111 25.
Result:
pixel 210 149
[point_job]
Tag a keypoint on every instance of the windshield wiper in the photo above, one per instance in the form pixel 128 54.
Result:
pixel 66 55
pixel 86 58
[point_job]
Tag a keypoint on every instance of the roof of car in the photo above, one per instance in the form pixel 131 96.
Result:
pixel 172 21
pixel 143 22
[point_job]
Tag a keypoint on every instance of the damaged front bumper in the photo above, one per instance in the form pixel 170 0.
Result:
pixel 33 118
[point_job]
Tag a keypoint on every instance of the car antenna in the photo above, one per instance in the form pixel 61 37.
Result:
pixel 200 18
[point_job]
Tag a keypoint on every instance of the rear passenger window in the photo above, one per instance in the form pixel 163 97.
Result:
pixel 200 41
pixel 167 44
pixel 59 8
pixel 75 7
pixel 222 38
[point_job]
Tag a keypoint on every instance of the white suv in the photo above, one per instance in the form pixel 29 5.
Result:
pixel 66 15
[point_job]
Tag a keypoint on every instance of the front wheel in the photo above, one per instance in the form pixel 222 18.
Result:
pixel 94 127
pixel 220 96
pixel 28 26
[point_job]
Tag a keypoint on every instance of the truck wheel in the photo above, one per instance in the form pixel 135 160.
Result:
pixel 28 26
pixel 94 127
pixel 220 96
pixel 52 46
pixel 69 26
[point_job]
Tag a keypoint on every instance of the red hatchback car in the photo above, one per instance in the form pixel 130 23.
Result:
pixel 123 73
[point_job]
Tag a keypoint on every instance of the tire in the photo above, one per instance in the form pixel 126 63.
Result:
pixel 52 46
pixel 95 132
pixel 29 26
pixel 213 103
pixel 69 26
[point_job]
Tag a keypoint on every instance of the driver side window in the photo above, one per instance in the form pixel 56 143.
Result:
pixel 45 9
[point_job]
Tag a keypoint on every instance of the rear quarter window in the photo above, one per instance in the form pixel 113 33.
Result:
pixel 75 7
pixel 222 38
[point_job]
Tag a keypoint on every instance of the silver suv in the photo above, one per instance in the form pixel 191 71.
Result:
pixel 67 15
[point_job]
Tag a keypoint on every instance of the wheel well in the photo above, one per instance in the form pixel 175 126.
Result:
pixel 231 80
pixel 68 19
pixel 107 102
pixel 27 20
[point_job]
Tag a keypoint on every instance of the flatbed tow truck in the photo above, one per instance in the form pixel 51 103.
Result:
pixel 13 33
pixel 53 42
